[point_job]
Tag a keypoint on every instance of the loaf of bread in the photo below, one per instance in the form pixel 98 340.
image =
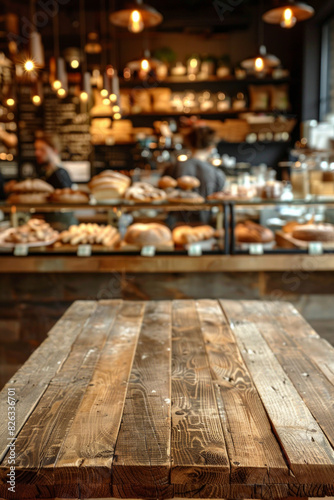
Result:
pixel 314 232
pixel 187 182
pixel 152 234
pixel 68 195
pixel 183 235
pixel 109 185
pixel 167 182
pixel 29 186
pixel 144 192
pixel 250 232
pixel 28 198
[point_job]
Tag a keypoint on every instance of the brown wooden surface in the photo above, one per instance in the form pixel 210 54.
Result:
pixel 194 399
pixel 164 264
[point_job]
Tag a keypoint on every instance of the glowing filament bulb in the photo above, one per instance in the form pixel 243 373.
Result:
pixel 104 93
pixel 136 24
pixel 259 64
pixel 36 100
pixel 83 96
pixel 29 65
pixel 288 19
pixel 10 101
pixel 75 64
pixel 56 84
pixel 145 65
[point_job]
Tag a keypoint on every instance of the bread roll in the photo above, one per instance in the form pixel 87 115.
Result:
pixel 29 186
pixel 68 195
pixel 148 234
pixel 188 182
pixel 189 197
pixel 144 192
pixel 28 198
pixel 167 182
pixel 250 232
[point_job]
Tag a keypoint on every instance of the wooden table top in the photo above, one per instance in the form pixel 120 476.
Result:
pixel 204 399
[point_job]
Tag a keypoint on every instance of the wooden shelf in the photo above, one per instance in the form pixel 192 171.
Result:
pixel 176 80
pixel 164 264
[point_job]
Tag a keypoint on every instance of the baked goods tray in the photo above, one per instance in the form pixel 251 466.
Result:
pixel 7 244
pixel 247 246
pixel 285 240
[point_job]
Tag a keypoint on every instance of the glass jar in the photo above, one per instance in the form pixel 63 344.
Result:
pixel 300 180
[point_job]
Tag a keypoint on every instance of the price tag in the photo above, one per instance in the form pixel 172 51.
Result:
pixel 84 251
pixel 21 250
pixel 148 251
pixel 256 249
pixel 315 248
pixel 195 250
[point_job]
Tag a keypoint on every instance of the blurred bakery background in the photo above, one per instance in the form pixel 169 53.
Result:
pixel 163 150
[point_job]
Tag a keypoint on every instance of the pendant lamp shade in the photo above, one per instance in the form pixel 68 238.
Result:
pixel 36 49
pixel 261 62
pixel 287 13
pixel 136 17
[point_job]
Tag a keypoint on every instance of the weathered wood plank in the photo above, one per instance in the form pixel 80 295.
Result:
pixel 142 454
pixel 87 452
pixel 39 441
pixel 198 446
pixel 309 453
pixel 32 379
pixel 254 453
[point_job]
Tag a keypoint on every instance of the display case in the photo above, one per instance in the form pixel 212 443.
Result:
pixel 86 230
pixel 282 227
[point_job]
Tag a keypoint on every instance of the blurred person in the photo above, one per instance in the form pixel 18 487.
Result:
pixel 47 153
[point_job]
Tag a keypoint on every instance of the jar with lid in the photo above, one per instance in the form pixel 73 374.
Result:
pixel 300 180
pixel 239 102
pixel 223 102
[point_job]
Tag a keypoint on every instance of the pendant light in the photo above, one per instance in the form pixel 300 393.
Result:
pixel 136 17
pixel 287 13
pixel 86 87
pixel 261 62
pixel 35 58
pixel 59 81
pixel 37 93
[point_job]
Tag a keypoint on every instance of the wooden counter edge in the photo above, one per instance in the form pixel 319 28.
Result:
pixel 166 264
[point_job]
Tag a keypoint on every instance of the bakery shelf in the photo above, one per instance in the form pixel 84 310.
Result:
pixel 172 81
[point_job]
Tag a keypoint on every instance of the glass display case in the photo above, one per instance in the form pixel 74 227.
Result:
pixel 282 227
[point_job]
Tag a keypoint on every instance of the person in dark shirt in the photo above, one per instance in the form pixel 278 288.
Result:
pixel 47 148
pixel 2 184
pixel 200 140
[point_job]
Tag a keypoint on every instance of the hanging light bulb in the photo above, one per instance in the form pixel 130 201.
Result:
pixel 288 19
pixel 29 65
pixel 136 24
pixel 60 84
pixel 36 49
pixel 86 87
pixel 145 65
pixel 259 64
pixel 287 13
pixel 10 101
pixel 37 93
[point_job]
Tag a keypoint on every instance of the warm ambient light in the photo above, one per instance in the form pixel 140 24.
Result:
pixel 259 64
pixel 10 101
pixel 216 162
pixel 145 65
pixel 136 24
pixel 56 84
pixel 104 93
pixel 193 63
pixel 29 65
pixel 116 109
pixel 182 158
pixel 106 102
pixel 113 97
pixel 288 19
pixel 117 116
pixel 75 64
pixel 83 96
pixel 61 92
pixel 36 100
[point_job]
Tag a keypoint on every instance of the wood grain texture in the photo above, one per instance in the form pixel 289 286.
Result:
pixel 198 445
pixel 255 455
pixel 41 438
pixel 142 454
pixel 32 379
pixel 310 455
pixel 88 449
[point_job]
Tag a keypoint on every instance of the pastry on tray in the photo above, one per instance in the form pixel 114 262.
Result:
pixel 143 192
pixel 90 234
pixel 109 185
pixel 180 196
pixel 250 232
pixel 35 231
